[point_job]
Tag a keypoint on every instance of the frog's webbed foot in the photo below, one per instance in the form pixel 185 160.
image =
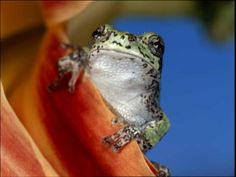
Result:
pixel 121 138
pixel 71 63
pixel 163 171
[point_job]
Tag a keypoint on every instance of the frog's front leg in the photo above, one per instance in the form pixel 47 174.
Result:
pixel 71 63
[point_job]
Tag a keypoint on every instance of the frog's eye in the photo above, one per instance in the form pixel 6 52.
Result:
pixel 99 32
pixel 156 45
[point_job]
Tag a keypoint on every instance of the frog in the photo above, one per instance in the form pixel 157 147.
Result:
pixel 126 69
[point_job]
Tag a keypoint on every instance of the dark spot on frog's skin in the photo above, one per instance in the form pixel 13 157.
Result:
pixel 153 76
pixel 115 34
pixel 131 37
pixel 131 59
pixel 144 55
pixel 128 47
pixel 145 65
pixel 152 62
pixel 122 37
pixel 161 116
pixel 152 110
pixel 150 71
pixel 114 42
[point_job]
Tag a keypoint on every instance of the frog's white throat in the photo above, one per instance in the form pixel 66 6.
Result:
pixel 121 79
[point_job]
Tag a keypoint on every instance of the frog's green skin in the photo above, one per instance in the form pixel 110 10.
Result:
pixel 126 70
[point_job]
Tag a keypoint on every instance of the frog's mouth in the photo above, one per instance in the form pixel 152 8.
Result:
pixel 117 54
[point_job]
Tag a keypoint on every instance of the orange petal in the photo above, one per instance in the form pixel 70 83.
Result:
pixel 69 128
pixel 19 154
pixel 59 11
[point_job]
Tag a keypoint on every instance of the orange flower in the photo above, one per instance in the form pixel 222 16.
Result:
pixel 19 154
pixel 67 128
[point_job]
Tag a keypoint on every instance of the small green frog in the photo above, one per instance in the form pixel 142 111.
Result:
pixel 126 69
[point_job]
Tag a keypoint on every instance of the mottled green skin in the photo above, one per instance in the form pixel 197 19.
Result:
pixel 137 47
pixel 155 134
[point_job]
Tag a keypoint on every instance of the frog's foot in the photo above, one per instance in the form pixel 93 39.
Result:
pixel 121 138
pixel 163 171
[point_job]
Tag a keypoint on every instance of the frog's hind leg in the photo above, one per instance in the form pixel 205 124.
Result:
pixel 153 132
pixel 121 138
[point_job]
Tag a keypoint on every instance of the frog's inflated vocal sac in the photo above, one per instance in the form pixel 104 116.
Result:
pixel 126 69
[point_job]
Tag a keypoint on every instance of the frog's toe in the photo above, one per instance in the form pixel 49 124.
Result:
pixel 107 140
pixel 71 89
pixel 114 121
pixel 163 171
pixel 117 146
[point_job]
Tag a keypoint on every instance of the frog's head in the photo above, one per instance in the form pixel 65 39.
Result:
pixel 148 47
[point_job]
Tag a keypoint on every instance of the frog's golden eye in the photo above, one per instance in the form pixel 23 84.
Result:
pixel 156 45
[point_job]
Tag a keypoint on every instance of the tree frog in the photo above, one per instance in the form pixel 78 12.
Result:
pixel 126 69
